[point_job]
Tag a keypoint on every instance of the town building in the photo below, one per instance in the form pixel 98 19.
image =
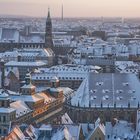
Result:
pixel 105 95
pixel 29 55
pixel 7 113
pixel 116 129
pixel 11 38
pixel 24 67
pixel 69 75
pixel 30 107
pixel 59 132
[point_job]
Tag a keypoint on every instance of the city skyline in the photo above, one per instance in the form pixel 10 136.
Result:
pixel 78 8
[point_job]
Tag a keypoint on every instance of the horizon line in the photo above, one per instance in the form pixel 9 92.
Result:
pixel 31 16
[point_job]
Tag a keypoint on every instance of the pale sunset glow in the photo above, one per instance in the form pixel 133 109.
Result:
pixel 72 8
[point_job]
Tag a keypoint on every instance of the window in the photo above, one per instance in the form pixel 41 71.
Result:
pixel 2 104
pixel 108 136
pixel 5 131
pixel 4 118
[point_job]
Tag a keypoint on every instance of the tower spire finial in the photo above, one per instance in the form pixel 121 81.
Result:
pixel 48 12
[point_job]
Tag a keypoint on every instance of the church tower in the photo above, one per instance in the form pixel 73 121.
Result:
pixel 48 32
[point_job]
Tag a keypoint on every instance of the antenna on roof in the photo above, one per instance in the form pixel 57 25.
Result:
pixel 62 14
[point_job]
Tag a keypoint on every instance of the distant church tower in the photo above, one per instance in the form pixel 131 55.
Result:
pixel 48 33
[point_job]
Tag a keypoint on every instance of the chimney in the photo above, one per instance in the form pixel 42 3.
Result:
pixel 113 122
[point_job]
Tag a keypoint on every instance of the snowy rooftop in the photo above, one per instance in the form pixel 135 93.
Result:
pixel 29 86
pixel 24 64
pixel 9 54
pixel 64 72
pixel 32 132
pixel 117 49
pixel 120 131
pixel 67 92
pixel 70 68
pixel 27 98
pixel 108 89
pixel 34 52
pixel 61 132
pixel 6 110
pixel 28 52
pixel 20 107
pixel 8 35
pixel 66 119
pixel 14 70
pixel 32 38
pixel 16 134
pixel 3 94
pixel 127 67
pixel 62 42
pixel 47 98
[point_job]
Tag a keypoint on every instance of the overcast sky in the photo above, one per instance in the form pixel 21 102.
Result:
pixel 72 8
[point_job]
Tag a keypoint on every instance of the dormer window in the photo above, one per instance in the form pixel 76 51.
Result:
pixel 94 91
pixel 133 91
pixel 119 91
pixel 94 97
pixel 105 91
pixel 99 83
pixel 125 84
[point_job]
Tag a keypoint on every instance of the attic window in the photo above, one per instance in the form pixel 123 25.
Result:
pixel 106 97
pixel 105 91
pixel 94 97
pixel 131 91
pixel 133 98
pixel 91 91
pixel 99 83
pixel 94 91
pixel 119 91
pixel 125 84
pixel 119 98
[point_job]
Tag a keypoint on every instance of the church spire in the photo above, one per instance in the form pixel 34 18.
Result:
pixel 48 34
pixel 49 13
